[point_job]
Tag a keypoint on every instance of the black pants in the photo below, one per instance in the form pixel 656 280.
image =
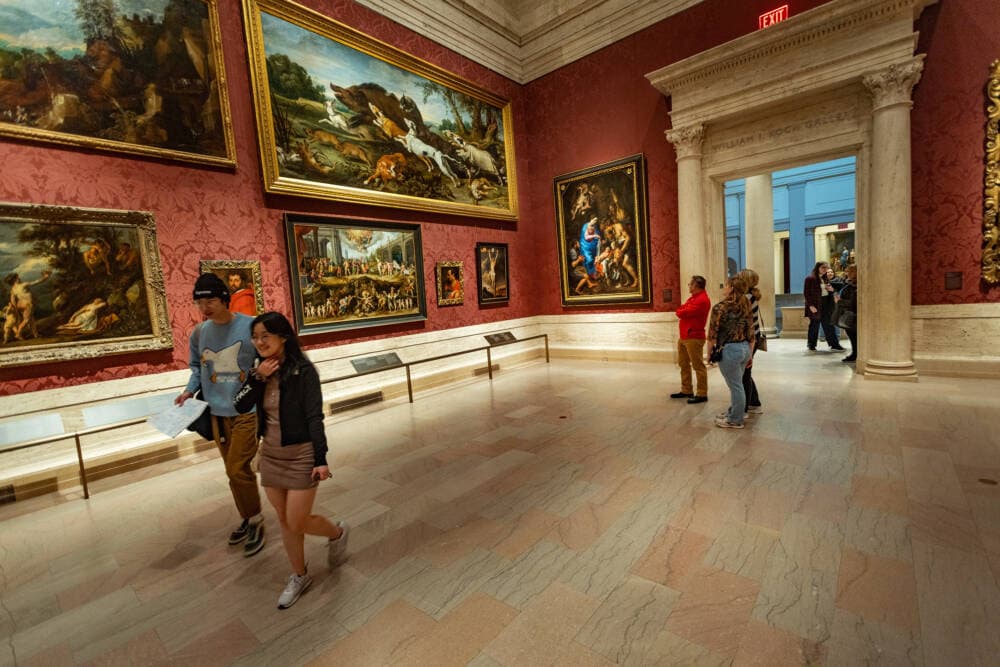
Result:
pixel 829 332
pixel 749 386
pixel 853 335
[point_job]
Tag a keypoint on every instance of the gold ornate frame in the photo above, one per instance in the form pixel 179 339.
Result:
pixel 251 267
pixel 328 28
pixel 158 337
pixel 439 269
pixel 991 194
pixel 219 86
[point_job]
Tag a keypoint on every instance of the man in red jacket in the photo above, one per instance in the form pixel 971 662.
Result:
pixel 693 315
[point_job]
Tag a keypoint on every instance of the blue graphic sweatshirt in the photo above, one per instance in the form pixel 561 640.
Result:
pixel 221 358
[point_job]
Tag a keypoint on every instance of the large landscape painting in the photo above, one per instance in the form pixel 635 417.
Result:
pixel 139 76
pixel 79 283
pixel 343 116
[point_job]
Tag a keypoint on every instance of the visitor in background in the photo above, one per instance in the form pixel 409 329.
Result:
pixel 750 277
pixel 849 310
pixel 815 289
pixel 731 330
pixel 284 388
pixel 691 317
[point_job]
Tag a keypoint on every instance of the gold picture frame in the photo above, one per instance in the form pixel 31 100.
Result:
pixel 246 293
pixel 991 193
pixel 450 279
pixel 343 116
pixel 79 283
pixel 151 83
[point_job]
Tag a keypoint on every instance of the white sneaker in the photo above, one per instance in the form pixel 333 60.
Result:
pixel 296 587
pixel 337 553
pixel 755 410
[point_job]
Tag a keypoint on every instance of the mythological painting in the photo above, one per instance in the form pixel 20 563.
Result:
pixel 603 234
pixel 348 274
pixel 79 283
pixel 135 76
pixel 343 116
pixel 242 277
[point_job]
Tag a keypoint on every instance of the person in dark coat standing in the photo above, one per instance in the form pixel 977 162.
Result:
pixel 815 287
pixel 849 310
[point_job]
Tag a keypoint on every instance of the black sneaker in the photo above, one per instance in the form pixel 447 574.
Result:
pixel 838 348
pixel 681 394
pixel 255 539
pixel 698 399
pixel 240 533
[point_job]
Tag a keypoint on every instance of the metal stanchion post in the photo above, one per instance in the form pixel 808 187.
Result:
pixel 546 348
pixel 409 383
pixel 489 363
pixel 83 471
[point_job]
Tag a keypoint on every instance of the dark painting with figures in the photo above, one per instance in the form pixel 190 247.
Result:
pixel 78 283
pixel 603 234
pixel 492 273
pixel 343 116
pixel 139 76
pixel 348 274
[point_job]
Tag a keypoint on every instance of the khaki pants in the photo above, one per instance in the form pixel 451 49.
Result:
pixel 689 354
pixel 237 451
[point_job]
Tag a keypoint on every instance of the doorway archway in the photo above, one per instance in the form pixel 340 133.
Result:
pixel 833 82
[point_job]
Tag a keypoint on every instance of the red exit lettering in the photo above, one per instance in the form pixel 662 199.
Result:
pixel 774 16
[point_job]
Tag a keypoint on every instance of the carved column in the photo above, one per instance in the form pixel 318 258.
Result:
pixel 692 235
pixel 886 331
pixel 760 242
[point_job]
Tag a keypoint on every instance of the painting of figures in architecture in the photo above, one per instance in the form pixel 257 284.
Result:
pixel 603 234
pixel 343 116
pixel 349 274
pixel 79 283
pixel 138 76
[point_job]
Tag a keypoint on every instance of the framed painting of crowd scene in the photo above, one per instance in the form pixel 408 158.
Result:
pixel 348 274
pixel 492 273
pixel 343 116
pixel 450 283
pixel 79 283
pixel 603 233
pixel 242 276
pixel 143 76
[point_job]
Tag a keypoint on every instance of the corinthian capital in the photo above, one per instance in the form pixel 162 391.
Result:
pixel 686 140
pixel 895 84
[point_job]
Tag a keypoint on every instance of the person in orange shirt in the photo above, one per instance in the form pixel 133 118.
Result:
pixel 241 298
pixel 692 316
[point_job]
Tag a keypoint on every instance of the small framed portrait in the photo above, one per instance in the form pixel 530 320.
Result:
pixel 492 273
pixel 450 283
pixel 242 276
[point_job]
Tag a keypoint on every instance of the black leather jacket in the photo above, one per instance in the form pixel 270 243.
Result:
pixel 300 406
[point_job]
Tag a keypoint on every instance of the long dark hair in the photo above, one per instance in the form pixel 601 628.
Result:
pixel 278 324
pixel 816 270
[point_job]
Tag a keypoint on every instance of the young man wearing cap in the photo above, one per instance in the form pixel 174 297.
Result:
pixel 222 355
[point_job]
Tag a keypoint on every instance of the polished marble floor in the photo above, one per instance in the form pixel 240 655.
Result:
pixel 564 514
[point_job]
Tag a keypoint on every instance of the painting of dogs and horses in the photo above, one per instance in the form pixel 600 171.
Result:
pixel 134 76
pixel 79 283
pixel 343 116
pixel 603 233
pixel 348 274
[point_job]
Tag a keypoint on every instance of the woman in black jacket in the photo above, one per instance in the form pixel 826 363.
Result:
pixel 284 388
pixel 849 310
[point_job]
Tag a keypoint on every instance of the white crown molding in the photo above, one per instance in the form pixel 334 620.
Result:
pixel 525 42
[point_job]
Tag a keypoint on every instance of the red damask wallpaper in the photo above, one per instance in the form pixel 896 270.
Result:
pixel 961 39
pixel 204 213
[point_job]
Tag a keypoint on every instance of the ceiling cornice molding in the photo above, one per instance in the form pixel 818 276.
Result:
pixel 525 52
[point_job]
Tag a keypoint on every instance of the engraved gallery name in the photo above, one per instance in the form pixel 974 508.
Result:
pixel 776 132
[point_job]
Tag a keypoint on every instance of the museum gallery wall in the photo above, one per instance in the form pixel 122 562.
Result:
pixel 593 111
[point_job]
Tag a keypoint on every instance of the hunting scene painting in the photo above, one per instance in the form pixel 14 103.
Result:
pixel 78 283
pixel 140 76
pixel 603 234
pixel 342 116
pixel 349 274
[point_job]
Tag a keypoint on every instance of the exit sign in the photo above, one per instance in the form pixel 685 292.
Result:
pixel 774 16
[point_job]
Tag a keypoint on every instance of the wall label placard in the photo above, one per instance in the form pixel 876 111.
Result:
pixel 376 362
